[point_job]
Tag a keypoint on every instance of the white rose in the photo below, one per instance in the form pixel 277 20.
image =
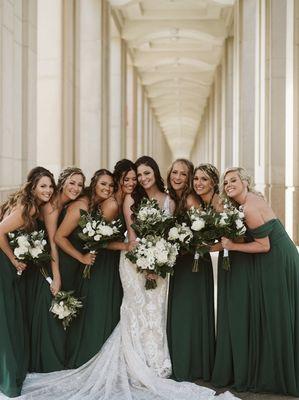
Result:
pixel 239 223
pixel 105 230
pixel 173 233
pixel 243 230
pixel 44 242
pixel 97 238
pixel 23 241
pixel 35 251
pixel 198 224
pixel 91 232
pixel 20 251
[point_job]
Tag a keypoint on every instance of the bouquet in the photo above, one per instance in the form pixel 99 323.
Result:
pixel 64 305
pixel 30 248
pixel 154 254
pixel 230 223
pixel 204 230
pixel 149 219
pixel 181 234
pixel 96 233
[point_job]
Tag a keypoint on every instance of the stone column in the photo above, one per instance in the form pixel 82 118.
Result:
pixel 131 102
pixel 18 35
pixel 140 117
pixel 91 94
pixel 49 85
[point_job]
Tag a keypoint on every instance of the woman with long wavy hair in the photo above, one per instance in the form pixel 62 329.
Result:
pixel 191 333
pixel 258 328
pixel 20 212
pixel 102 293
pixel 47 336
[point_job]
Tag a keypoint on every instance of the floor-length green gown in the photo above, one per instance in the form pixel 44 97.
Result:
pixel 46 334
pixel 276 284
pixel 234 356
pixel 14 347
pixel 190 327
pixel 102 297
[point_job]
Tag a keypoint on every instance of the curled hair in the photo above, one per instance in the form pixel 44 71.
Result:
pixel 212 172
pixel 91 190
pixel 66 173
pixel 244 176
pixel 121 170
pixel 139 192
pixel 181 201
pixel 25 197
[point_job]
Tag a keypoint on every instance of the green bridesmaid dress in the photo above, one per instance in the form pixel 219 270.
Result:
pixel 190 326
pixel 276 284
pixel 47 336
pixel 234 358
pixel 102 296
pixel 14 347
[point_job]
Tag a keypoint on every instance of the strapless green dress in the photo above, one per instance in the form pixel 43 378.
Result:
pixel 14 345
pixel 190 325
pixel 276 313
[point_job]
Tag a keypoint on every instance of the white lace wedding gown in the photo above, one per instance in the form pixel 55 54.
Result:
pixel 133 364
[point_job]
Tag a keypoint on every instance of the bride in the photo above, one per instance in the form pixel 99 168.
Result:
pixel 134 363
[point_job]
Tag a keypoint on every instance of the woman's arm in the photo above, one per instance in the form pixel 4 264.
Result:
pixel 50 216
pixel 12 222
pixel 253 220
pixel 69 223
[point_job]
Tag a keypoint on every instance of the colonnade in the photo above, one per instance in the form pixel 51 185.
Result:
pixel 251 117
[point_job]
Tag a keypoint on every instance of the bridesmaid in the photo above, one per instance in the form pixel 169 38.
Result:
pixel 47 337
pixel 20 212
pixel 102 293
pixel 191 333
pixel 275 289
pixel 234 346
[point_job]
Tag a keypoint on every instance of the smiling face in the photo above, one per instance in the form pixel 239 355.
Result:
pixel 233 185
pixel 43 190
pixel 104 187
pixel 202 183
pixel 128 182
pixel 73 186
pixel 146 176
pixel 179 176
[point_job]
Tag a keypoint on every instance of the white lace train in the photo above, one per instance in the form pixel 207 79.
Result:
pixel 133 364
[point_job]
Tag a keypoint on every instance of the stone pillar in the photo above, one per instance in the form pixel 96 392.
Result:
pixel 49 85
pixel 91 145
pixel 116 94
pixel 18 34
pixel 131 102
pixel 292 118
pixel 140 117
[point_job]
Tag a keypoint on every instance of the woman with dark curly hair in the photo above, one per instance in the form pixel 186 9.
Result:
pixel 191 336
pixel 20 212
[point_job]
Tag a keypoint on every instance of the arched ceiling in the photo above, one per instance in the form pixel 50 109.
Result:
pixel 176 46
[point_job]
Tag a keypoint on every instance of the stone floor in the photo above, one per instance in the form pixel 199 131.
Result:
pixel 248 395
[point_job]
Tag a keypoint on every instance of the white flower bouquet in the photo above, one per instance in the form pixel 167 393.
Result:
pixel 154 254
pixel 230 223
pixel 149 219
pixel 31 248
pixel 202 225
pixel 96 233
pixel 65 307
pixel 181 234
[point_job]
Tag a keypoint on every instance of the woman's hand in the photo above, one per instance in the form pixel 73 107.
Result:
pixel 152 276
pixel 19 265
pixel 88 259
pixel 227 243
pixel 131 245
pixel 55 285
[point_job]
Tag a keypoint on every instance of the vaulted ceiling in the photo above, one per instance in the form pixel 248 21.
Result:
pixel 176 46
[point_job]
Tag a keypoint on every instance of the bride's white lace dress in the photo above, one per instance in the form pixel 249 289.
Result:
pixel 133 364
